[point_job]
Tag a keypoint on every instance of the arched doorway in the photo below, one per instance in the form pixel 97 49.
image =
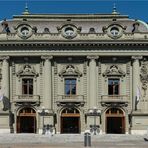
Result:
pixel 70 121
pixel 26 121
pixel 115 121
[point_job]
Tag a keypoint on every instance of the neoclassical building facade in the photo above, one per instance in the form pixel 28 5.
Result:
pixel 73 72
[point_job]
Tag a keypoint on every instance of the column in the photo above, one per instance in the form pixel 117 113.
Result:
pixel 136 78
pixel 5 76
pixel 47 82
pixel 92 81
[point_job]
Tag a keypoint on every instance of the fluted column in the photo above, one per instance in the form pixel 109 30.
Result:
pixel 136 78
pixel 92 81
pixel 47 82
pixel 5 76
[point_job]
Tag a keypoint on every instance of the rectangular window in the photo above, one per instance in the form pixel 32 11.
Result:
pixel 70 86
pixel 113 86
pixel 27 86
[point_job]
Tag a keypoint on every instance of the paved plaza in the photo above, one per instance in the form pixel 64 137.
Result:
pixel 71 141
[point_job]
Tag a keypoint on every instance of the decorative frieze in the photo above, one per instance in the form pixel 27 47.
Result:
pixel 41 67
pixel 92 57
pixel 136 57
pixel 144 76
pixel 128 68
pixel 4 57
pixel 99 68
pixel 55 68
pixel 46 57
pixel 85 68
pixel 13 68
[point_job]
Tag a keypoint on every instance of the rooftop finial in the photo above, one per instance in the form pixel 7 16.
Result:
pixel 114 9
pixel 26 10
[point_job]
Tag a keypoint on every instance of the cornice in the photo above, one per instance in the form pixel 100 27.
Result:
pixel 69 16
pixel 72 43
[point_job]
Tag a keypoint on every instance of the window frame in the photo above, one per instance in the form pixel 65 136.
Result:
pixel 71 86
pixel 27 85
pixel 114 91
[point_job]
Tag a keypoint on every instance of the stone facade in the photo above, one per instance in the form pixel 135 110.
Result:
pixel 72 73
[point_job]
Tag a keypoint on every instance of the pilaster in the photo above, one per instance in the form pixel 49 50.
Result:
pixel 47 88
pixel 136 78
pixel 92 81
pixel 5 75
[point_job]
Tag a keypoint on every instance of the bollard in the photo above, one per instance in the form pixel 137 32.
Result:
pixel 87 139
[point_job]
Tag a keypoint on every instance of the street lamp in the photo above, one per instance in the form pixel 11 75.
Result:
pixel 43 112
pixel 94 112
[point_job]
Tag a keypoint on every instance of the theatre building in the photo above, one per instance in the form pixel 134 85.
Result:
pixel 73 72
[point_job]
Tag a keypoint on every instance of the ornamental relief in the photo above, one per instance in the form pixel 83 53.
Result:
pixel 114 70
pixel 70 70
pixel 27 70
pixel 144 76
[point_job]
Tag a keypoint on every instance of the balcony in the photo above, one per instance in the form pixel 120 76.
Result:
pixel 114 100
pixel 26 99
pixel 70 99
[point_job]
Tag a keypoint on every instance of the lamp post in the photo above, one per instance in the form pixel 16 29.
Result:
pixel 94 112
pixel 43 112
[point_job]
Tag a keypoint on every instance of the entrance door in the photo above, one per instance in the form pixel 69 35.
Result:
pixel 26 121
pixel 115 123
pixel 70 121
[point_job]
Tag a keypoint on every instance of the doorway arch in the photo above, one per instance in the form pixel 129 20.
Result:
pixel 115 121
pixel 70 121
pixel 26 120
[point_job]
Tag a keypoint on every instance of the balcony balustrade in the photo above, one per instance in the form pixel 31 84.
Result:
pixel 21 99
pixel 114 98
pixel 70 98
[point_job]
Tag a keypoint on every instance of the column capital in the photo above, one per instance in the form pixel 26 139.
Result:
pixel 92 57
pixel 137 57
pixel 4 57
pixel 46 57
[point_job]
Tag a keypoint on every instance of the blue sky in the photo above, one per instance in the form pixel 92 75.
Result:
pixel 137 9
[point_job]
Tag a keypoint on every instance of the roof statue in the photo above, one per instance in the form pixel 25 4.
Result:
pixel 114 9
pixel 26 11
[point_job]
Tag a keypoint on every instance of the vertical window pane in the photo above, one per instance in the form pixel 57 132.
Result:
pixel 27 86
pixel 70 86
pixel 113 86
pixel 67 90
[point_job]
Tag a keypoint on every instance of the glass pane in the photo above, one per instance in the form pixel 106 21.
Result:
pixel 27 86
pixel 116 90
pixel 31 89
pixel 67 89
pixel 73 91
pixel 24 89
pixel 113 86
pixel 110 90
pixel 70 86
pixel 73 81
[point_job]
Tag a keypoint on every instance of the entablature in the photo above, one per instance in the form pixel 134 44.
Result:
pixel 80 36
